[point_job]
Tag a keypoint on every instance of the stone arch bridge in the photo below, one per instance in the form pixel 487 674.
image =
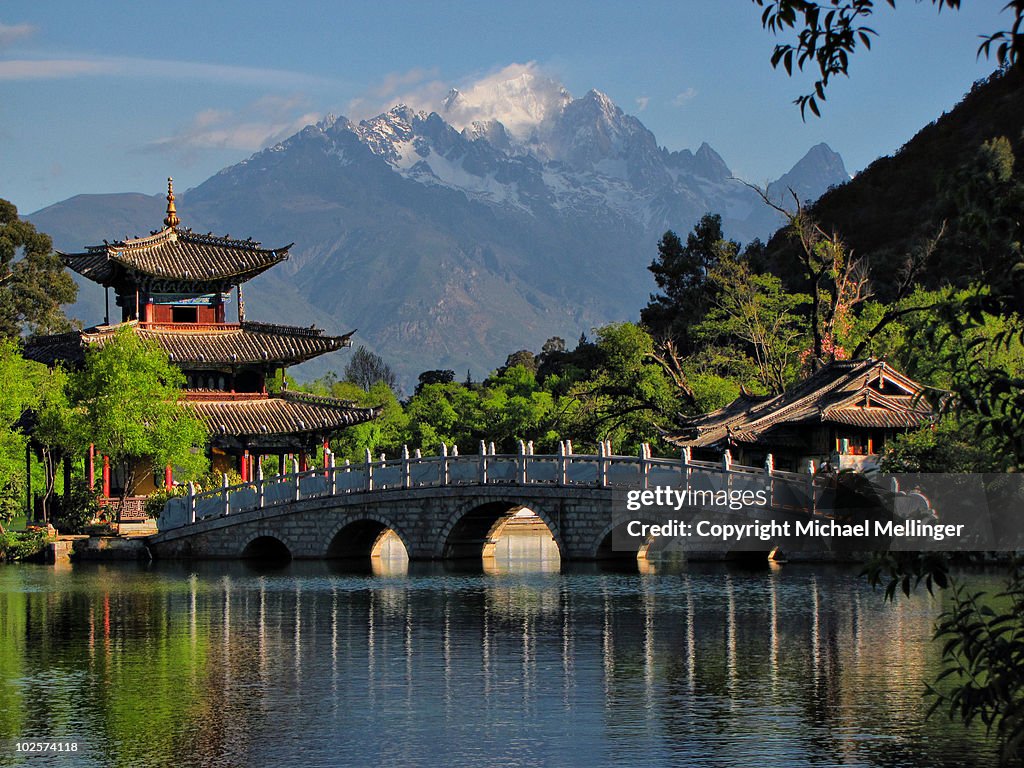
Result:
pixel 446 506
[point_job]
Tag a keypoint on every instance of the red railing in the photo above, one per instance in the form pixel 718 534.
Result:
pixel 199 327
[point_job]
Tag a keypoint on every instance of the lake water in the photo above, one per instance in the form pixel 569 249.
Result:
pixel 221 664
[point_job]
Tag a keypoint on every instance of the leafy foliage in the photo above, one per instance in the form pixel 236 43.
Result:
pixel 20 545
pixel 33 282
pixel 753 312
pixel 682 273
pixel 829 33
pixel 367 369
pixel 129 396
pixel 983 645
pixel 78 507
pixel 19 383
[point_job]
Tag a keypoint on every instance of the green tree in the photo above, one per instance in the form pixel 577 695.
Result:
pixel 681 273
pixel 131 408
pixel 625 396
pixel 384 434
pixel 19 379
pixel 753 312
pixel 33 281
pixel 438 376
pixel 58 430
pixel 366 369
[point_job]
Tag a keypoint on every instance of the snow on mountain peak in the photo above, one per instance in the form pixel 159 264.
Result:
pixel 518 96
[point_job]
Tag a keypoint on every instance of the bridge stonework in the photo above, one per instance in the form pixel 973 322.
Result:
pixel 427 521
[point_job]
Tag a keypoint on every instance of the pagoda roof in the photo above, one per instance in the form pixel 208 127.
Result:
pixel 266 417
pixel 865 393
pixel 175 259
pixel 194 345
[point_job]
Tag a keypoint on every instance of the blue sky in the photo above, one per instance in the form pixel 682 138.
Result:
pixel 115 96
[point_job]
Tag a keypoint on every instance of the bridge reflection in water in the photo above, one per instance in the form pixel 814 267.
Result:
pixel 303 666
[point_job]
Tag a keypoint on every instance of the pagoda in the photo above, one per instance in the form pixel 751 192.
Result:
pixel 173 288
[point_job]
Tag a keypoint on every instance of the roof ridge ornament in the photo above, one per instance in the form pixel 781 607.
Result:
pixel 171 219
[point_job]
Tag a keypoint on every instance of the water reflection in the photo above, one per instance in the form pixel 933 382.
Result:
pixel 220 664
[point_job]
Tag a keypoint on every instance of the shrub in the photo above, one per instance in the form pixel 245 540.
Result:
pixel 18 545
pixel 78 509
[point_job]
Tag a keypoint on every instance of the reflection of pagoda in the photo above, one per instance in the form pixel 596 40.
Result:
pixel 172 288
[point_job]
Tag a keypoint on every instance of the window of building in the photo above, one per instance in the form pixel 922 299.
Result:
pixel 184 314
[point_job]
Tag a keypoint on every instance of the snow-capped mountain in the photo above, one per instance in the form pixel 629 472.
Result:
pixel 509 214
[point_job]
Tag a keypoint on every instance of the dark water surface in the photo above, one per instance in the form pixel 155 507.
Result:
pixel 219 664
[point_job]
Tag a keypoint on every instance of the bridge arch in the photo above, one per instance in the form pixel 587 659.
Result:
pixel 468 530
pixel 266 546
pixel 601 548
pixel 357 536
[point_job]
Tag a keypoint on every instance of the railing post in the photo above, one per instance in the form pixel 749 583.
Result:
pixel 810 483
pixel 332 475
pixel 727 468
pixel 224 493
pixel 483 463
pixel 684 456
pixel 445 476
pixel 191 502
pixel 406 470
pixel 769 470
pixel 563 464
pixel 645 466
pixel 369 470
pixel 602 464
pixel 521 469
pixel 260 497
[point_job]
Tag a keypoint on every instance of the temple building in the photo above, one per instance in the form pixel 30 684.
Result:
pixel 173 288
pixel 844 414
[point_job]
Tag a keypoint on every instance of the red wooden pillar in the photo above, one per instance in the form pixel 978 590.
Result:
pixel 106 476
pixel 243 466
pixel 90 466
pixel 168 476
pixel 302 461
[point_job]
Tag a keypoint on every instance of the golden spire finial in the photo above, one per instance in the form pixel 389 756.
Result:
pixel 171 219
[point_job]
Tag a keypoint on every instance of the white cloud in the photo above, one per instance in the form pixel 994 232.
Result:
pixel 642 102
pixel 10 33
pixel 417 88
pixel 257 125
pixel 685 96
pixel 518 95
pixel 51 69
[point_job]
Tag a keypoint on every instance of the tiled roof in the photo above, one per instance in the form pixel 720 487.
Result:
pixel 862 393
pixel 190 345
pixel 286 414
pixel 175 255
